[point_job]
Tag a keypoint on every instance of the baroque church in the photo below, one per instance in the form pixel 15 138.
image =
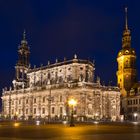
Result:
pixel 127 77
pixel 43 92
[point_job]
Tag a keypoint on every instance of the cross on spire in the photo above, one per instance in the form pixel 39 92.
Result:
pixel 23 41
pixel 24 35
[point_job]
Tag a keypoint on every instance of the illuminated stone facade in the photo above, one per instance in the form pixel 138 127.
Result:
pixel 44 92
pixel 131 106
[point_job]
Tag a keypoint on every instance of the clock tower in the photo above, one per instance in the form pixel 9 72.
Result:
pixel 22 65
pixel 127 73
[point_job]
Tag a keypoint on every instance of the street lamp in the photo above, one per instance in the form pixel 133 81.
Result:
pixel 16 115
pixel 135 116
pixel 72 103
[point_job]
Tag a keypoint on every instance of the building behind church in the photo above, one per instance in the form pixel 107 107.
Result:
pixel 44 92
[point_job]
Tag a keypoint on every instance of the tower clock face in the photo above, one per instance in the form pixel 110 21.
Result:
pixel 126 52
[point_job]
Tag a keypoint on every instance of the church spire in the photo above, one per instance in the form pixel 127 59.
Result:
pixel 126 21
pixel 126 39
pixel 24 52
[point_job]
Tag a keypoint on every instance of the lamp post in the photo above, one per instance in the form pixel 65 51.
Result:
pixel 16 116
pixel 135 116
pixel 72 103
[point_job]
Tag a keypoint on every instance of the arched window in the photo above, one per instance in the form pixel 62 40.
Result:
pixel 60 98
pixel 44 99
pixel 34 100
pixel 49 76
pixel 43 110
pixel 53 110
pixel 34 110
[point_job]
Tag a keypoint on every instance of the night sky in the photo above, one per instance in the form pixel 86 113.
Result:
pixel 92 29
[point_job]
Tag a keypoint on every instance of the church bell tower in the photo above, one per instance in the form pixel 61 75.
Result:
pixel 127 73
pixel 22 65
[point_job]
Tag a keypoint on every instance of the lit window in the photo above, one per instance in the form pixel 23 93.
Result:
pixel 43 110
pixel 26 101
pixel 128 102
pixel 34 110
pixel 35 100
pixel 61 110
pixel 60 98
pixel 133 101
pixel 136 101
pixel 43 99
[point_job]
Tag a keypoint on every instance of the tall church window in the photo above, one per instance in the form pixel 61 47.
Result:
pixel 43 99
pixel 61 110
pixel 43 110
pixel 127 63
pixel 56 77
pixel 69 78
pixel 87 76
pixel 60 79
pixel 81 77
pixel 20 74
pixel 136 101
pixel 34 100
pixel 49 76
pixel 60 98
pixel 53 109
pixel 120 67
pixel 128 102
pixel 34 110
